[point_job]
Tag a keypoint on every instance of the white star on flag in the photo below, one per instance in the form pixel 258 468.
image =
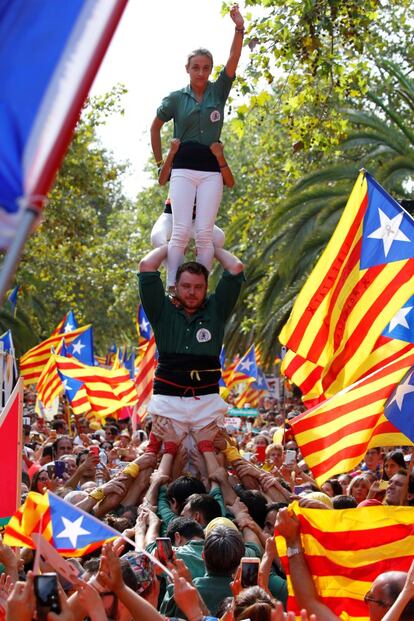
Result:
pixel 72 530
pixel 143 325
pixel 401 391
pixel 69 327
pixel 246 365
pixel 399 318
pixel 389 231
pixel 77 347
pixel 66 385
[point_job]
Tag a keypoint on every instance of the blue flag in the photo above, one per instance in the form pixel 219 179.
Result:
pixel 248 364
pixel 143 324
pixel 82 347
pixel 70 323
pixel 50 52
pixel 401 326
pixel 399 407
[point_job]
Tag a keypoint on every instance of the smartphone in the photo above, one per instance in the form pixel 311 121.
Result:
pixel 51 470
pixel 249 571
pixel 260 453
pixel 164 547
pixel 290 457
pixel 94 450
pixel 47 595
pixel 60 468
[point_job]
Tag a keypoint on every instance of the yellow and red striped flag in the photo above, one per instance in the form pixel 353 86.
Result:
pixel 103 391
pixel 334 436
pixel 34 360
pixel 49 385
pixel 144 379
pixel 364 276
pixel 250 395
pixel 347 549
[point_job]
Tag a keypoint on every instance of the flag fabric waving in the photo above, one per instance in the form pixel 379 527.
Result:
pixel 253 392
pixel 347 549
pixel 334 436
pixel 245 369
pixel 33 361
pixel 399 407
pixel 11 425
pixel 70 530
pixel 107 391
pixel 364 276
pixel 144 379
pixel 36 124
pixel 143 326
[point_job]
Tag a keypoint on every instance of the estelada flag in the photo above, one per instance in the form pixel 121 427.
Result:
pixel 11 425
pixel 346 549
pixel 70 530
pixel 362 279
pixel 334 436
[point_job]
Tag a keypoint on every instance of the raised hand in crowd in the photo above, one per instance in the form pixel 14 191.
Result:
pixel 10 561
pixel 21 602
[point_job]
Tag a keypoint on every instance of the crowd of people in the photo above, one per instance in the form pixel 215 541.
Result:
pixel 217 501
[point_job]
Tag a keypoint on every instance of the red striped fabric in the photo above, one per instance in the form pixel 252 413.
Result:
pixel 144 379
pixel 347 549
pixel 334 436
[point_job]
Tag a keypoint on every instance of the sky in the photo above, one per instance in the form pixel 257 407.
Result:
pixel 148 54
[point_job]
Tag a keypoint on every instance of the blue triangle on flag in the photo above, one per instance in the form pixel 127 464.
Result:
pixel 401 326
pixel 388 230
pixel 400 406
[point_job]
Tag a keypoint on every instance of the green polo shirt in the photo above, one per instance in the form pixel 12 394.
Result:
pixel 200 334
pixel 212 588
pixel 193 121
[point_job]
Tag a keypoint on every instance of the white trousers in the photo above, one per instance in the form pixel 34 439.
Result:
pixel 185 185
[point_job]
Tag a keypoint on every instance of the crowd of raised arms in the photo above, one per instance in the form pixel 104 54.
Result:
pixel 217 503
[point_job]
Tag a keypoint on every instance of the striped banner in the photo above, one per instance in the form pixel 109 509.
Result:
pixel 144 379
pixel 343 307
pixel 334 436
pixel 347 549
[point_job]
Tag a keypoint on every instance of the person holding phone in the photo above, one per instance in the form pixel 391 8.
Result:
pixel 197 111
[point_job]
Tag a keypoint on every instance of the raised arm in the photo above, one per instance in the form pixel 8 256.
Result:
pixel 152 261
pixel 237 43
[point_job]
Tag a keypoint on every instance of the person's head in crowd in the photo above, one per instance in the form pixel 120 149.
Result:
pixel 373 458
pixel 148 585
pixel 27 427
pixel 202 508
pixel 75 496
pixel 124 424
pixel 344 481
pixel 114 608
pixel 382 594
pixel 70 464
pixel 82 426
pixel 111 433
pixel 223 550
pixel 342 501
pixel 60 427
pixel 62 446
pixel 89 472
pixel 255 502
pixel 274 454
pixel 46 455
pixel 123 439
pixel 138 437
pixel 107 446
pixel 270 519
pixel 291 445
pixel 279 420
pixel 253 603
pixel 393 463
pixel 40 481
pixel 181 530
pixel 332 487
pixel 179 490
pixel 359 488
pixel 393 494
pixel 261 440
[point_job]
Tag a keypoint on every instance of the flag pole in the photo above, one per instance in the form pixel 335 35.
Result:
pixel 15 251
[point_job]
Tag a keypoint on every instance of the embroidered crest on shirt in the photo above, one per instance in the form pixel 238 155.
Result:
pixel 203 335
pixel 215 116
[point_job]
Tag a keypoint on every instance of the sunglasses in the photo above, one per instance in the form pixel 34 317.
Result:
pixel 368 598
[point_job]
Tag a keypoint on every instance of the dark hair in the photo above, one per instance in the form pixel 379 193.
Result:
pixel 204 504
pixel 180 489
pixel 223 550
pixel 393 588
pixel 35 479
pixel 59 439
pixel 397 457
pixel 194 268
pixel 186 527
pixel 253 603
pixel 255 502
pixel 201 51
pixel 79 455
pixel 341 501
pixel 58 424
pixel 336 486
